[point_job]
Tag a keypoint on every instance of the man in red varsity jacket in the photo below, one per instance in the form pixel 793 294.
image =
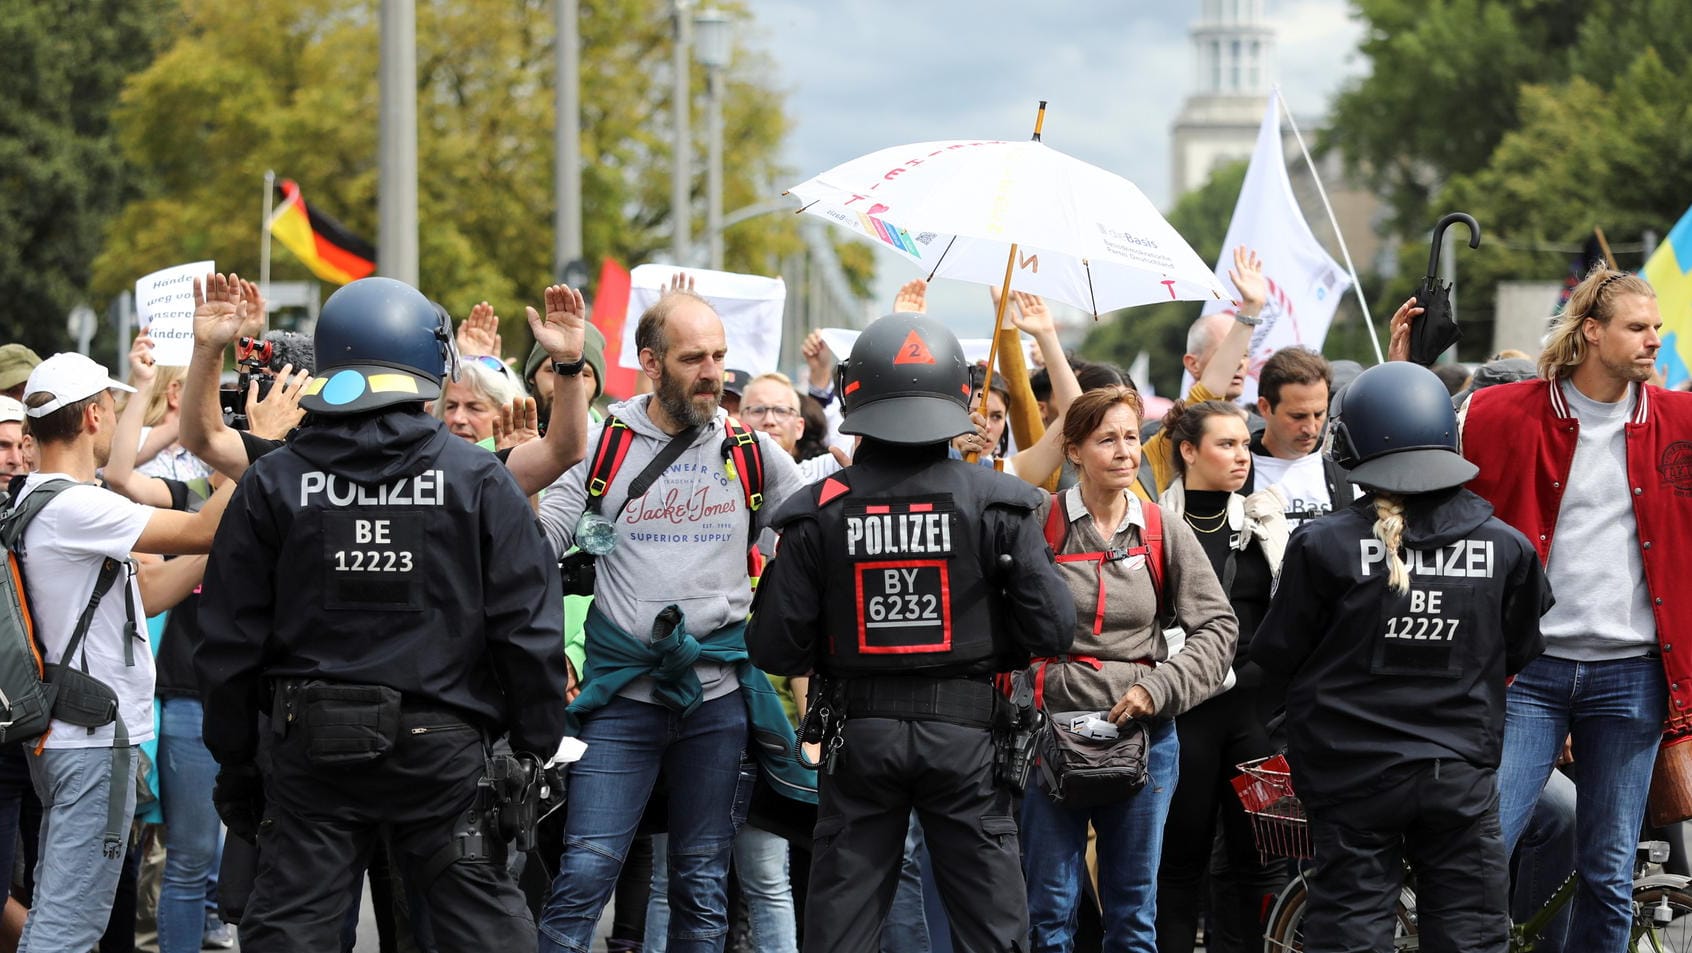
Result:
pixel 1593 465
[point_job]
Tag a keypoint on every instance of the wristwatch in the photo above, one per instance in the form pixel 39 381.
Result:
pixel 1249 320
pixel 570 369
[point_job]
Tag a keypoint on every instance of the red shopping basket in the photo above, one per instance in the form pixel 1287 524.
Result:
pixel 1277 816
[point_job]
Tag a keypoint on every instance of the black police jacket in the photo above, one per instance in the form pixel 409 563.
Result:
pixel 380 549
pixel 1379 679
pixel 894 565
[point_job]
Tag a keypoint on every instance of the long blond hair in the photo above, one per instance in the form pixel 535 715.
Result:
pixel 1389 529
pixel 158 394
pixel 1594 297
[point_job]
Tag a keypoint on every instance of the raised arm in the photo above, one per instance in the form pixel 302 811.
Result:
pixel 217 322
pixel 562 334
pixel 1247 276
pixel 174 533
pixel 164 584
pixel 120 467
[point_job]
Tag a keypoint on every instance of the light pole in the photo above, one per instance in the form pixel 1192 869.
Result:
pixel 396 142
pixel 711 45
pixel 681 184
pixel 567 136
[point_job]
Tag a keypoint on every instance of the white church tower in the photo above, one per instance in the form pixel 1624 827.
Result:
pixel 1233 69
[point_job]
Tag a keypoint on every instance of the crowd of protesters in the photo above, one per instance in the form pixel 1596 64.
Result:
pixel 674 818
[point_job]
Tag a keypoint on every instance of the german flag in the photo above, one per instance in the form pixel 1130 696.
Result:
pixel 327 248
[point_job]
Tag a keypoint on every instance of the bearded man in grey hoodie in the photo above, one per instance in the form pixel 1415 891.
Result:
pixel 666 683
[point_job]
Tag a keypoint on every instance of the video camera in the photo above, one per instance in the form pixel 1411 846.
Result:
pixel 252 356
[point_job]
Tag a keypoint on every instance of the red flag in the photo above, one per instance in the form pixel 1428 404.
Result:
pixel 610 310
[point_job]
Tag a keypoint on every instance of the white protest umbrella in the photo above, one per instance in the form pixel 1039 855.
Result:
pixel 1014 214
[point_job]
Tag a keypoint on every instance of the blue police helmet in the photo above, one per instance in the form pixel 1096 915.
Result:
pixel 1393 430
pixel 378 342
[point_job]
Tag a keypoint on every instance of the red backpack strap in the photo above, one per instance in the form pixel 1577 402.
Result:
pixel 1057 524
pixel 614 442
pixel 1153 540
pixel 745 461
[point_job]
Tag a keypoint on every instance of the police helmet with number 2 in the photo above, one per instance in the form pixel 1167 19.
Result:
pixel 1393 430
pixel 378 342
pixel 906 382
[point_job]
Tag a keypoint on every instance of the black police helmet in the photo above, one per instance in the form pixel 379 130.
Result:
pixel 906 382
pixel 1393 430
pixel 378 342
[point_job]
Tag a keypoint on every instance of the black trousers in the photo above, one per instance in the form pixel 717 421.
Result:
pixel 1443 818
pixel 945 772
pixel 1215 735
pixel 322 823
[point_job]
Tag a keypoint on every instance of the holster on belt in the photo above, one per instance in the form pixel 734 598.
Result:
pixel 342 723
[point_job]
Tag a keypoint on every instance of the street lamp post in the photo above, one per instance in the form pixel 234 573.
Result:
pixel 567 137
pixel 396 141
pixel 711 45
pixel 681 185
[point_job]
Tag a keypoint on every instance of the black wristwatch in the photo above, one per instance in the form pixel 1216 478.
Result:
pixel 571 369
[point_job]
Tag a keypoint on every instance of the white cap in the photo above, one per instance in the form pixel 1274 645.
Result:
pixel 69 377
pixel 10 410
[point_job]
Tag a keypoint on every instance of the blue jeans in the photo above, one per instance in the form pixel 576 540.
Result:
pixel 1130 847
pixel 702 757
pixel 760 864
pixel 75 878
pixel 1615 712
pixel 1544 859
pixel 187 773
pixel 906 928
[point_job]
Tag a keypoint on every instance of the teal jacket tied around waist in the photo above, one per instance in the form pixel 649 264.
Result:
pixel 615 658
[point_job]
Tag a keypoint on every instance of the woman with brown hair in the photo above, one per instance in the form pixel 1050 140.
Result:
pixel 1120 667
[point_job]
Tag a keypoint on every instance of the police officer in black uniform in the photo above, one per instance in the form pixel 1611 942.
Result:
pixel 905 581
pixel 1398 620
pixel 382 590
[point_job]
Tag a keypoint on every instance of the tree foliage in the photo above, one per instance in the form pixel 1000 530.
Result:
pixel 291 85
pixel 60 173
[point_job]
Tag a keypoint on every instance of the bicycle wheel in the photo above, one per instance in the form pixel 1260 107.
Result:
pixel 1285 933
pixel 1662 920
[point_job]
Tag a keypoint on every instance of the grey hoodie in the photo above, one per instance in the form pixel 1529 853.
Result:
pixel 684 542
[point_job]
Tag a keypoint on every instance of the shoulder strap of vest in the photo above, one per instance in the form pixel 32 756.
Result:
pixel 614 442
pixel 745 460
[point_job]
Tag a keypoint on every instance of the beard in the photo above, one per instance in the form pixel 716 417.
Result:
pixel 694 410
pixel 1627 370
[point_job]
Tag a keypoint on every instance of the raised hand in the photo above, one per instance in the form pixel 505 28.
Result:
pixel 479 333
pixel 563 333
pixel 1398 348
pixel 912 297
pixel 516 424
pixel 1030 314
pixel 279 411
pixel 217 317
pixel 251 307
pixel 1247 276
pixel 973 442
pixel 142 368
pixel 819 359
pixel 681 281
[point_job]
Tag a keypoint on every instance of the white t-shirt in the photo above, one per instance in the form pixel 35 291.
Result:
pixel 63 549
pixel 1302 481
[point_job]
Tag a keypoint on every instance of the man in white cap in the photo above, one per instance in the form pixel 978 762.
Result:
pixel 17 450
pixel 73 551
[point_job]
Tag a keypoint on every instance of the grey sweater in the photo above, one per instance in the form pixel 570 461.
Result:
pixel 683 542
pixel 1129 632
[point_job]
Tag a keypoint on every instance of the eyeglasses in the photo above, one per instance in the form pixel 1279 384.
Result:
pixel 763 410
pixel 488 361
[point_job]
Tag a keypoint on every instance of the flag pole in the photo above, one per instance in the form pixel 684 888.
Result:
pixel 1004 299
pixel 1362 302
pixel 264 243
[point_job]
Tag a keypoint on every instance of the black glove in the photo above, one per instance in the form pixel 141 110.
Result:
pixel 239 799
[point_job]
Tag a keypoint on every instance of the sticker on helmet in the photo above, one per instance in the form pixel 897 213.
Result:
pixel 914 350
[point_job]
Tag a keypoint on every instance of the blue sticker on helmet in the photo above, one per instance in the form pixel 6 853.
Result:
pixel 344 388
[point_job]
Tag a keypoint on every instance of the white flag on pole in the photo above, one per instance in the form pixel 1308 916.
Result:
pixel 1305 283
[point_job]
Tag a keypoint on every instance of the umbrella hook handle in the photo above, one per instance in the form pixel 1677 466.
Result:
pixel 1445 222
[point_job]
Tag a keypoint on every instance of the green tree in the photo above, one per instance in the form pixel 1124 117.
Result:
pixel 290 85
pixel 60 173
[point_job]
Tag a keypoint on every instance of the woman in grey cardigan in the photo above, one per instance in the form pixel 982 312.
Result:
pixel 1120 665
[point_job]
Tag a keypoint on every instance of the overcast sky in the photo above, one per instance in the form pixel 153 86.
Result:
pixel 861 75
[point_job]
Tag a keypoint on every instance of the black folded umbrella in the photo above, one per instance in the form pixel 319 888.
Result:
pixel 1435 329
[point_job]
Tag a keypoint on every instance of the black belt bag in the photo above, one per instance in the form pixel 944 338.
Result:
pixel 1082 772
pixel 79 698
pixel 346 724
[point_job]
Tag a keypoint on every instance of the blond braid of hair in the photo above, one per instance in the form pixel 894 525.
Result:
pixel 1389 529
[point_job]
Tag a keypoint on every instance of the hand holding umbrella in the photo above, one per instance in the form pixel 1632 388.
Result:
pixel 1436 329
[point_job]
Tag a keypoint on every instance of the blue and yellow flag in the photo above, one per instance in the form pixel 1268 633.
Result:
pixel 1669 271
